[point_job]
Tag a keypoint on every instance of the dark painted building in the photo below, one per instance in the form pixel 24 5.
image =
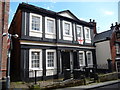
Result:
pixel 50 42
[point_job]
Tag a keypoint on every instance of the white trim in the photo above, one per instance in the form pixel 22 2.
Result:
pixel 40 63
pixel 49 44
pixel 59 29
pixel 81 38
pixel 83 58
pixel 74 31
pixel 25 24
pixel 81 30
pixel 67 37
pixel 87 40
pixel 48 18
pixel 50 34
pixel 35 33
pixel 36 15
pixel 91 58
pixel 55 62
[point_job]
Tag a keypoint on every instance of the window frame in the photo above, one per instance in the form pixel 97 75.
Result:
pixel 46 26
pixel 40 59
pixel 87 28
pixel 35 15
pixel 54 59
pixel 83 58
pixel 81 31
pixel 91 58
pixel 70 28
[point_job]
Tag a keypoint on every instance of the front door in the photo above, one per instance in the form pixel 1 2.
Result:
pixel 65 60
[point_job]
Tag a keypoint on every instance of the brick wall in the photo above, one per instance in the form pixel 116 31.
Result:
pixel 4 14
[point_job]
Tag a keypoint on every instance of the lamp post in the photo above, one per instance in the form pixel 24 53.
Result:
pixel 8 60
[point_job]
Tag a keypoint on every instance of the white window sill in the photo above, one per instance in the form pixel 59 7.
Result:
pixel 35 31
pixel 50 33
pixel 33 69
pixel 82 65
pixel 68 35
pixel 51 68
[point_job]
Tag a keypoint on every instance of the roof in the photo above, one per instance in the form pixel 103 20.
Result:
pixel 103 36
pixel 52 13
pixel 69 12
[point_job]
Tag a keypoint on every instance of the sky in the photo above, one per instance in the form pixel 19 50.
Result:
pixel 104 13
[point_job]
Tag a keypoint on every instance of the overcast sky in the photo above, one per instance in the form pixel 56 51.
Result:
pixel 104 13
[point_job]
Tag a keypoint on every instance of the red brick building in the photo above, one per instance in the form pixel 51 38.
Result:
pixel 4 13
pixel 108 48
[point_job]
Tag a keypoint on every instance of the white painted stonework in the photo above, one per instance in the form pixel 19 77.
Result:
pixel 65 14
pixel 50 72
pixel 103 53
pixel 35 33
pixel 32 73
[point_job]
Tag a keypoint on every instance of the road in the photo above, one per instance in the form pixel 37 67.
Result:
pixel 111 87
pixel 101 86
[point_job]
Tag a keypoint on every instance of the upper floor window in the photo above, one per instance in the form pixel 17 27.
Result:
pixel 79 34
pixel 87 33
pixel 35 22
pixel 79 31
pixel 50 59
pixel 50 25
pixel 89 58
pixel 35 59
pixel 67 28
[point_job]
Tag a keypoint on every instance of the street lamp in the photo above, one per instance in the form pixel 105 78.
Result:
pixel 8 60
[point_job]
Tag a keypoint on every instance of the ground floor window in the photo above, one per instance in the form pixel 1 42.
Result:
pixel 50 59
pixel 81 58
pixel 89 58
pixel 35 56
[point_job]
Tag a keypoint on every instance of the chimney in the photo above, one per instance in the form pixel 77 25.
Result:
pixel 94 26
pixel 112 26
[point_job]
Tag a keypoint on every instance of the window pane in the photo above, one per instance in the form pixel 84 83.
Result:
pixel 81 58
pixel 87 33
pixel 79 32
pixel 50 26
pixel 67 29
pixel 35 23
pixel 35 59
pixel 89 58
pixel 50 59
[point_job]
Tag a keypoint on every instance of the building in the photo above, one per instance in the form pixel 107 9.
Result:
pixel 4 13
pixel 50 43
pixel 108 48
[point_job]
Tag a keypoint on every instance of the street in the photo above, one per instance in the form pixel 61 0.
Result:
pixel 112 85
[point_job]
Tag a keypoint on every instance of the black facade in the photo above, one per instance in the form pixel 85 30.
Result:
pixel 66 51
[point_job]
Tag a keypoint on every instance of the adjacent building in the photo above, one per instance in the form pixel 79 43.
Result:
pixel 50 43
pixel 4 13
pixel 108 48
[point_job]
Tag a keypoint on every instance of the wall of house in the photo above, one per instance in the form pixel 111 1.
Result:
pixel 4 13
pixel 103 52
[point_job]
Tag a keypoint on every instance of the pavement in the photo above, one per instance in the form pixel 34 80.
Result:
pixel 92 86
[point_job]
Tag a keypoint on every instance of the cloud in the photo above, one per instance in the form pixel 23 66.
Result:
pixel 108 13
